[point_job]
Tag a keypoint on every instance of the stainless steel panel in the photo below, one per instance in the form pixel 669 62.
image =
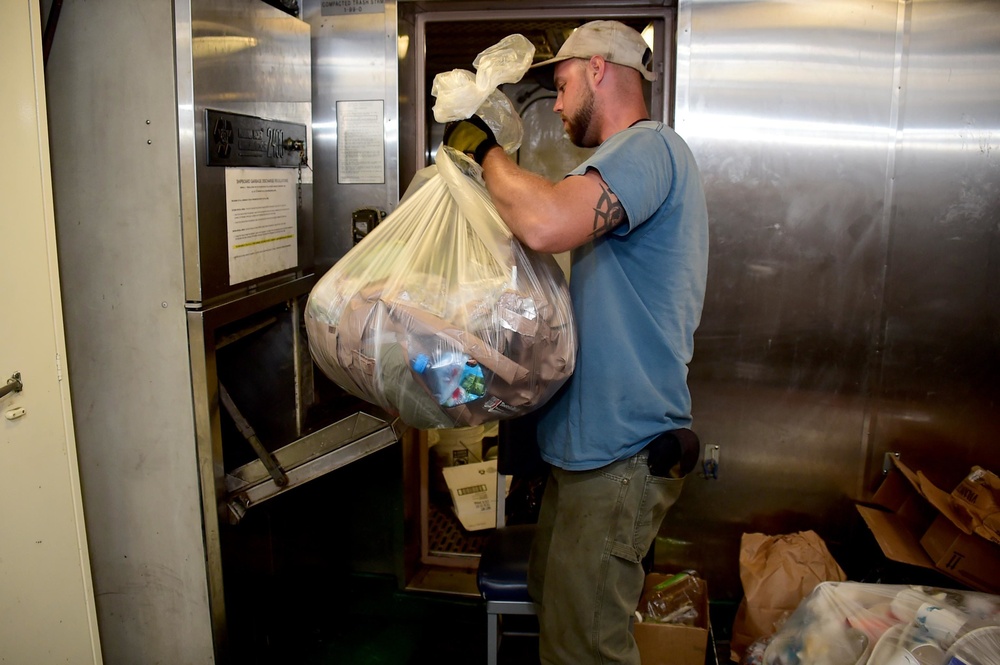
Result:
pixel 852 307
pixel 940 374
pixel 112 100
pixel 354 59
pixel 250 59
pixel 787 108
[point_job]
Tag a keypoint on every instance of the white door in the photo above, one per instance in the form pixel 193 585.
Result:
pixel 47 610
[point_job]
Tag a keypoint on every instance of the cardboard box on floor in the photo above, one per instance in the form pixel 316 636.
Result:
pixel 672 644
pixel 473 489
pixel 916 523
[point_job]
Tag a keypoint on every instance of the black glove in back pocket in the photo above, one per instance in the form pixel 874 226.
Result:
pixel 673 454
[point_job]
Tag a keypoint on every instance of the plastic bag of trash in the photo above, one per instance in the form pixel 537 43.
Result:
pixel 440 316
pixel 848 623
pixel 676 599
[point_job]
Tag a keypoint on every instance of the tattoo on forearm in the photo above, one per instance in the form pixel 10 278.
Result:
pixel 608 214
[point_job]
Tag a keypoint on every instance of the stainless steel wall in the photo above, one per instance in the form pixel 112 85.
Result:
pixel 849 152
pixel 940 384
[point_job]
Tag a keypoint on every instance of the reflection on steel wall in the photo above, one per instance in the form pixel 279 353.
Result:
pixel 849 155
pixel 354 73
pixel 939 388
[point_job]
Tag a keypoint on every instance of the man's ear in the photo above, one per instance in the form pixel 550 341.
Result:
pixel 596 68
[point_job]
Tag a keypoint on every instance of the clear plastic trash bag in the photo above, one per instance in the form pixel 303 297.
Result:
pixel 848 623
pixel 440 316
pixel 675 600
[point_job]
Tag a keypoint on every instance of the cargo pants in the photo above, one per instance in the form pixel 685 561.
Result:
pixel 585 571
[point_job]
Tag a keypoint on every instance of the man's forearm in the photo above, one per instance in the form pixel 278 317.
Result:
pixel 551 217
pixel 522 198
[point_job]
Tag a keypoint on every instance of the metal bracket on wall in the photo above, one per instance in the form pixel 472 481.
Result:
pixel 887 461
pixel 13 385
pixel 364 222
pixel 710 465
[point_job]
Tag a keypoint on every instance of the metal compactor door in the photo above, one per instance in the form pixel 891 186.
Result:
pixel 268 423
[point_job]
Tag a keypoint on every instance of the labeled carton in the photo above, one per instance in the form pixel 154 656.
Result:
pixel 919 524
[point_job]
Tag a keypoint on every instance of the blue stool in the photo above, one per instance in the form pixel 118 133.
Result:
pixel 503 581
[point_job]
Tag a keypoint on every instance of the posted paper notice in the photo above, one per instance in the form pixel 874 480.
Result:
pixel 360 142
pixel 261 218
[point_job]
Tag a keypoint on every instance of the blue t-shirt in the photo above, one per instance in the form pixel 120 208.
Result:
pixel 637 296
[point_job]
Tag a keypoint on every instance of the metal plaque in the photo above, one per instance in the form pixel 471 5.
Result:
pixel 244 140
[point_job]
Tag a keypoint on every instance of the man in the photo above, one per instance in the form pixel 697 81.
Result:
pixel 616 436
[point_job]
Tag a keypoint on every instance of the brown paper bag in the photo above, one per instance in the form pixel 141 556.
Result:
pixel 777 572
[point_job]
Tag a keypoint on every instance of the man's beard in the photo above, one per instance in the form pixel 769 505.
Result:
pixel 578 127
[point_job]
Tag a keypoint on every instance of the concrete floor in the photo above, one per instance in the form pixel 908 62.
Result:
pixel 384 625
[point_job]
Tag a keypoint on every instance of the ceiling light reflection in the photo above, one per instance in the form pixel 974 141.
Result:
pixel 220 45
pixel 749 129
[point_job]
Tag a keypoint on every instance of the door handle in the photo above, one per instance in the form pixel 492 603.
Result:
pixel 13 385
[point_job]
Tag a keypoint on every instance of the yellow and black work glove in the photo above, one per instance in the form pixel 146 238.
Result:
pixel 471 136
